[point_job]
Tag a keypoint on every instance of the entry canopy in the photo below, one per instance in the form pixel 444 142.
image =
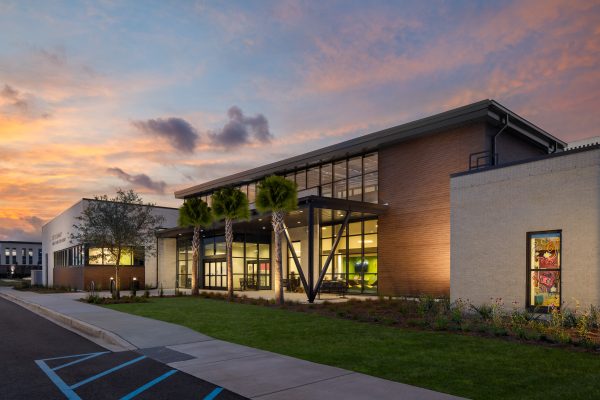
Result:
pixel 327 209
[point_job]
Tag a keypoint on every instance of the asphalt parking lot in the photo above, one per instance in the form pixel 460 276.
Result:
pixel 41 360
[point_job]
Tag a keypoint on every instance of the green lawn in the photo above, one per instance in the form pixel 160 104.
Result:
pixel 474 367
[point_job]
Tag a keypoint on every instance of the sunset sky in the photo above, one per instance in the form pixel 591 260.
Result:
pixel 162 95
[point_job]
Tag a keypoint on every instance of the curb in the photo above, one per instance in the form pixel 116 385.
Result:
pixel 73 324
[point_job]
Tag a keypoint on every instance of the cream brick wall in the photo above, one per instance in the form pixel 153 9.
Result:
pixel 167 262
pixel 492 211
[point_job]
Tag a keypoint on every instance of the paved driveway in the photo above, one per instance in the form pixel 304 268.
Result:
pixel 41 360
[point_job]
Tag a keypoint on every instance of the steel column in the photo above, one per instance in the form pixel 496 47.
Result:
pixel 311 254
pixel 331 253
pixel 295 257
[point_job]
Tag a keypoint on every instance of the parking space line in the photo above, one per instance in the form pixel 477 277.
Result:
pixel 87 357
pixel 213 394
pixel 60 384
pixel 148 385
pixel 108 371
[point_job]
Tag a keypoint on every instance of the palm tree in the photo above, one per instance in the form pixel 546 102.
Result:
pixel 278 195
pixel 230 204
pixel 195 212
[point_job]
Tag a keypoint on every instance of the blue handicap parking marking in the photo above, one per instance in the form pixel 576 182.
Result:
pixel 69 390
pixel 148 385
pixel 104 373
pixel 213 394
pixel 83 358
pixel 60 384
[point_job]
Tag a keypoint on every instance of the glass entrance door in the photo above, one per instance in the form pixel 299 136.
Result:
pixel 215 274
pixel 252 275
pixel 258 274
pixel 264 273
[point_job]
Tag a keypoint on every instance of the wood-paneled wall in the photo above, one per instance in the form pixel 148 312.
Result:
pixel 414 234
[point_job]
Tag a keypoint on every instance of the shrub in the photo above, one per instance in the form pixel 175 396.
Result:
pixel 484 311
pixel 569 319
pixel 441 323
pixel 557 335
pixel 594 317
pixel 532 334
pixel 426 304
pixel 583 326
pixel 457 310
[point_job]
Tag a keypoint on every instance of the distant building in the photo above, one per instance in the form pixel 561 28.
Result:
pixel 69 264
pixel 19 258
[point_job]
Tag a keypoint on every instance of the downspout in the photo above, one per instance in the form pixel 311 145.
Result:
pixel 494 141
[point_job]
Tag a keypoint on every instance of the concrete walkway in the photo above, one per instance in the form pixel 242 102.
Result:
pixel 253 373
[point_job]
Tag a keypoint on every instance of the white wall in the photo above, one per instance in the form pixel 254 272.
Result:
pixel 56 236
pixel 492 211
pixel 151 262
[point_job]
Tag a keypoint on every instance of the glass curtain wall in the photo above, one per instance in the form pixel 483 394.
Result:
pixel 354 178
pixel 355 259
pixel 293 278
pixel 251 257
pixel 184 263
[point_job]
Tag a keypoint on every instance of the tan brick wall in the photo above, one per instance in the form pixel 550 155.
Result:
pixel 414 234
pixel 492 212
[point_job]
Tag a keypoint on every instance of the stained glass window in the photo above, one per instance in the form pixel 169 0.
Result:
pixel 544 266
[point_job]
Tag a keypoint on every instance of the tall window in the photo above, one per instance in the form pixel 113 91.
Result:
pixel 355 258
pixel 39 260
pixel 354 178
pixel 543 269
pixel 7 256
pixel 30 254
pixel 14 256
pixel 184 263
pixel 292 269
pixel 102 256
pixel 251 262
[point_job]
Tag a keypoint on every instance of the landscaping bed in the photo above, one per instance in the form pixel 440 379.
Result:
pixel 578 328
pixel 363 337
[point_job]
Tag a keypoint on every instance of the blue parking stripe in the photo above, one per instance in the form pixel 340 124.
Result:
pixel 101 374
pixel 73 356
pixel 60 384
pixel 213 394
pixel 87 357
pixel 148 385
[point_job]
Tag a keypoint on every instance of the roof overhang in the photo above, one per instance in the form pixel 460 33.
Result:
pixel 485 110
pixel 258 221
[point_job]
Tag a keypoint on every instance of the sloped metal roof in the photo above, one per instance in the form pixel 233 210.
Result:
pixel 488 110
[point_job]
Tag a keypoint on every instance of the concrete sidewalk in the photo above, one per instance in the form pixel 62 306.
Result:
pixel 251 372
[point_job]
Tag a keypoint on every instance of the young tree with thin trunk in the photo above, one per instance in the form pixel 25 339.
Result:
pixel 195 212
pixel 279 196
pixel 118 226
pixel 230 204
